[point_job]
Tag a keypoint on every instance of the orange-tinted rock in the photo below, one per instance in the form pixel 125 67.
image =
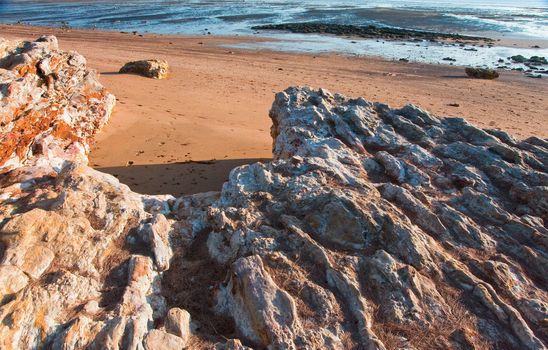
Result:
pixel 38 78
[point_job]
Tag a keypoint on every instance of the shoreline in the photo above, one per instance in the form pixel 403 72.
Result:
pixel 488 54
pixel 214 105
pixel 496 39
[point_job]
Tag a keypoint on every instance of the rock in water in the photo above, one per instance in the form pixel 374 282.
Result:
pixel 156 69
pixel 372 228
pixel 482 73
pixel 531 60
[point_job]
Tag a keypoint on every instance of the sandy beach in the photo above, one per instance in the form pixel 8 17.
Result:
pixel 183 135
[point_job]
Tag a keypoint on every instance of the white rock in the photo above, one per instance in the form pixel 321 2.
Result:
pixel 159 340
pixel 178 323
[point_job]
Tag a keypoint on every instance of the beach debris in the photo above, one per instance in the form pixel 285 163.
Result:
pixel 153 68
pixel 453 104
pixel 371 226
pixel 405 60
pixel 482 73
pixel 451 59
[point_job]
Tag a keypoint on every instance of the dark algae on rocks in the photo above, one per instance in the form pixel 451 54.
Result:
pixel 370 31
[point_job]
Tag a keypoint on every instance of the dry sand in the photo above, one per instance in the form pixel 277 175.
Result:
pixel 214 106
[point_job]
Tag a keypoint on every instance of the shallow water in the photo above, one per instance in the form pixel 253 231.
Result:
pixel 424 51
pixel 528 17
pixel 503 18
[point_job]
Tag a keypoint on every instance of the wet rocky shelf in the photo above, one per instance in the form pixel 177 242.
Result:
pixel 370 32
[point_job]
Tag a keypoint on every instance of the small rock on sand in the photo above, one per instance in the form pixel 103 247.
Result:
pixel 482 73
pixel 153 68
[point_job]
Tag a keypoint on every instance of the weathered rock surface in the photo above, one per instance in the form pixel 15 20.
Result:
pixel 178 323
pixel 156 69
pixel 481 73
pixel 51 105
pixel 68 279
pixel 372 228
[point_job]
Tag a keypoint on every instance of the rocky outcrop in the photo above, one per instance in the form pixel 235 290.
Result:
pixel 73 271
pixel 51 105
pixel 372 228
pixel 385 227
pixel 156 69
pixel 369 31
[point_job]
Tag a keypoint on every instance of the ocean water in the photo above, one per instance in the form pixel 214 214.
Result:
pixel 526 19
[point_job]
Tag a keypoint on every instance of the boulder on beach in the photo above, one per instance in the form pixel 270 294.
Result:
pixel 372 228
pixel 156 69
pixel 482 73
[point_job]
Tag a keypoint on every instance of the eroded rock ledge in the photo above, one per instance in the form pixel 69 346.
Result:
pixel 373 228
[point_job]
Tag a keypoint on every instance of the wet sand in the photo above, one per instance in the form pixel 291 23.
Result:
pixel 182 135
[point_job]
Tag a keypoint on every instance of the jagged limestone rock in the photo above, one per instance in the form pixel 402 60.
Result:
pixel 64 260
pixel 424 198
pixel 51 104
pixel 373 228
pixel 264 313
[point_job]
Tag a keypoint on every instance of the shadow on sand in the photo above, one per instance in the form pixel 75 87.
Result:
pixel 177 179
pixel 455 77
